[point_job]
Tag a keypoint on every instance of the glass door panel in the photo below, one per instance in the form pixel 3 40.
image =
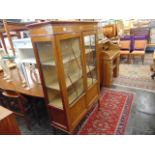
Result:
pixel 90 51
pixel 72 61
pixel 48 66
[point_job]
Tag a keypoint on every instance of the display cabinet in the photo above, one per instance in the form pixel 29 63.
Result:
pixel 67 61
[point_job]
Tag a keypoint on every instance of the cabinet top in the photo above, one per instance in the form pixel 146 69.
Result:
pixel 61 23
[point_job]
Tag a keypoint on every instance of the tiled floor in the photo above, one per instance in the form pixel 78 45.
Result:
pixel 142 116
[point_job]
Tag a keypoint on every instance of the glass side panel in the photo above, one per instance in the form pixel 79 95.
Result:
pixel 71 56
pixel 90 51
pixel 48 66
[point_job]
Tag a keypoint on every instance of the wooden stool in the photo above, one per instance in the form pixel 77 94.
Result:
pixel 18 104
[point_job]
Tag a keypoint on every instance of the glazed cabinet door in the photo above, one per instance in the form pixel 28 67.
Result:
pixel 91 60
pixel 70 47
pixel 48 65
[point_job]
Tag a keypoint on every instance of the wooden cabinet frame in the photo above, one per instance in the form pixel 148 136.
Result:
pixel 69 116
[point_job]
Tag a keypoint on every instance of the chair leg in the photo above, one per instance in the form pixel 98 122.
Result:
pixel 142 59
pixel 24 115
pixel 128 59
pixel 98 104
pixel 120 58
pixel 36 112
pixel 133 59
pixel 27 122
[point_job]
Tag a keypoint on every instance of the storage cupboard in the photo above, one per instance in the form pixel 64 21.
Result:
pixel 109 58
pixel 67 60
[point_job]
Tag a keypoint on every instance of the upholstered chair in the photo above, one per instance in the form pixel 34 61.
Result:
pixel 125 49
pixel 139 49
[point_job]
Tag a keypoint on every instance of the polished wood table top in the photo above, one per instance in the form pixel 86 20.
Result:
pixel 16 85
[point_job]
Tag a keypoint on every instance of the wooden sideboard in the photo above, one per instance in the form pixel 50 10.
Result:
pixel 8 124
pixel 109 57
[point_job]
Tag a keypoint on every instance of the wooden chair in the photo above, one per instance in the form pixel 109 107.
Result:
pixel 125 49
pixel 139 49
pixel 18 104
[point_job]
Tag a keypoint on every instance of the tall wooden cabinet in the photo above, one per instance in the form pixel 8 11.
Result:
pixel 109 58
pixel 67 61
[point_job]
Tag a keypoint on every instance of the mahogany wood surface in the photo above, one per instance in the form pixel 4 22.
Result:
pixel 8 123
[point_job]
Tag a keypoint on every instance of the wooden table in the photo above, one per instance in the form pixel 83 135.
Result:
pixel 16 85
pixel 8 123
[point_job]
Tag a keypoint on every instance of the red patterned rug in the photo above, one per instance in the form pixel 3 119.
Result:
pixel 112 116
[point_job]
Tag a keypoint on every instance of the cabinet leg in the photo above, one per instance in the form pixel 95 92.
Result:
pixel 98 104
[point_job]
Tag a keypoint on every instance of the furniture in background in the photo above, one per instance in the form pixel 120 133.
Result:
pixel 139 49
pixel 125 49
pixel 140 31
pixel 8 123
pixel 152 35
pixel 110 30
pixel 67 60
pixel 25 57
pixel 153 66
pixel 128 38
pixel 10 64
pixel 11 29
pixel 109 57
pixel 18 104
pixel 16 85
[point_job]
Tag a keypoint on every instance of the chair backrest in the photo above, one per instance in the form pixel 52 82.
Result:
pixel 124 44
pixel 13 96
pixel 140 44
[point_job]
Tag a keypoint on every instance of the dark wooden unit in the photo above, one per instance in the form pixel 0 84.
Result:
pixel 8 124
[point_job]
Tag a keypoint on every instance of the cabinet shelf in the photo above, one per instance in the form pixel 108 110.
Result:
pixel 89 51
pixel 74 77
pixel 26 47
pixel 90 68
pixel 28 60
pixel 90 81
pixel 49 63
pixel 65 60
pixel 58 103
